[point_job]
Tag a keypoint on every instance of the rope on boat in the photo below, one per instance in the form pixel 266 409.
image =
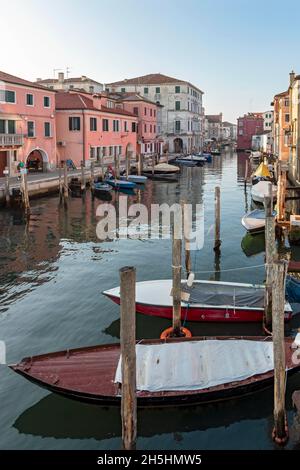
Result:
pixel 232 269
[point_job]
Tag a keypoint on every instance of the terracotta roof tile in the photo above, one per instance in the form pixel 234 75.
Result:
pixel 151 79
pixel 6 77
pixel 66 100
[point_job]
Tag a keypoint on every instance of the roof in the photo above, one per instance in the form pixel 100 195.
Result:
pixel 133 97
pixel 283 93
pixel 228 124
pixel 6 77
pixel 151 79
pixel 214 118
pixel 67 100
pixel 82 79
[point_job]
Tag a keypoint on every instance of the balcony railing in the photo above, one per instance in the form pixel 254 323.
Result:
pixel 11 140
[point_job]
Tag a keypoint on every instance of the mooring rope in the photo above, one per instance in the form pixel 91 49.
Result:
pixel 232 269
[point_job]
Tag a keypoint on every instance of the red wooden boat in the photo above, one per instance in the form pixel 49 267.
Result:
pixel 209 301
pixel 232 367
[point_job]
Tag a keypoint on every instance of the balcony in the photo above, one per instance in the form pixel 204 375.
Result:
pixel 11 140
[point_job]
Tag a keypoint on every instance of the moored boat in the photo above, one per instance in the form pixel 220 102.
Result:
pixel 254 221
pixel 161 168
pixel 176 371
pixel 139 179
pixel 261 190
pixel 208 301
pixel 120 184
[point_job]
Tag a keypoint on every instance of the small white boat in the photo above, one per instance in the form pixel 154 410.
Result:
pixel 135 178
pixel 254 222
pixel 261 189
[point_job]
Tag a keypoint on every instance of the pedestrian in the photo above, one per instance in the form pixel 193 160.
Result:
pixel 19 168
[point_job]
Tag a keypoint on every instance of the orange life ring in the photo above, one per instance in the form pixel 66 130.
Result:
pixel 167 333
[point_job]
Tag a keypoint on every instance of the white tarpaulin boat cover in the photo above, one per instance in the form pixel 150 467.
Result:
pixel 195 365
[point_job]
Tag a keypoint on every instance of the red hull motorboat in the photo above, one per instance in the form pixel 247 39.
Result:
pixel 209 301
pixel 92 374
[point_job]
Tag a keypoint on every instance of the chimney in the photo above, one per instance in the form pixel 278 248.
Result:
pixel 61 77
pixel 83 77
pixel 38 79
pixel 292 77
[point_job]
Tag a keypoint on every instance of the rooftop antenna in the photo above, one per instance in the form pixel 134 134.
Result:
pixel 68 70
pixel 54 71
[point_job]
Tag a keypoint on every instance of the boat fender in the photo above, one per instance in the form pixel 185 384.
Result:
pixel 168 333
pixel 190 280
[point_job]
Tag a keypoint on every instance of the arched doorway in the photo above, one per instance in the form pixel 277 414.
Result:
pixel 178 145
pixel 37 161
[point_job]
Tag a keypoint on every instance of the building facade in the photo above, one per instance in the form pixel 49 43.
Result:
pixel 263 142
pixel 149 141
pixel 248 125
pixel 27 125
pixel 182 114
pixel 294 138
pixel 268 117
pixel 61 83
pixel 91 128
pixel 229 131
pixel 213 127
pixel 281 126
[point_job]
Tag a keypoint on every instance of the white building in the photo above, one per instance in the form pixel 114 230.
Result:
pixel 229 131
pixel 82 83
pixel 182 116
pixel 263 142
pixel 213 127
pixel 268 120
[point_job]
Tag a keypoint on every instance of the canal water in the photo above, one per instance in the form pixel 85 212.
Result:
pixel 52 272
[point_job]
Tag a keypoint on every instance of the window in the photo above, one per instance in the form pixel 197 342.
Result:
pixel 98 153
pixel 286 102
pixel 241 132
pixel 111 149
pixel 120 149
pixel 29 99
pixel 145 111
pixel 150 128
pixel 188 105
pixel 154 129
pixel 177 126
pixel 287 118
pixel 177 105
pixel 92 152
pixel 136 111
pixel 7 96
pixel 146 91
pixel 15 155
pixel 123 90
pixel 154 112
pixel 145 127
pixel 125 126
pixel 47 129
pixel 74 123
pixel 11 126
pixel 93 124
pixel 104 151
pixel 115 125
pixel 150 147
pixel 71 87
pixel 91 88
pixel 46 102
pixel 177 89
pixel 157 90
pixel 150 111
pixel 105 125
pixel 30 129
pixel 2 126
pixel 133 127
pixel 188 125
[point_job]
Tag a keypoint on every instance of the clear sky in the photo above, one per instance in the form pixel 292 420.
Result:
pixel 239 52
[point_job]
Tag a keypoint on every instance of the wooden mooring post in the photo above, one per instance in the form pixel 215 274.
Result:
pixel 60 185
pixel 140 164
pixel 66 185
pixel 7 189
pixel 24 191
pixel 92 176
pixel 127 164
pixel 128 353
pixel 83 184
pixel 280 431
pixel 176 271
pixel 153 163
pixel 187 237
pixel 270 253
pixel 217 218
pixel 246 173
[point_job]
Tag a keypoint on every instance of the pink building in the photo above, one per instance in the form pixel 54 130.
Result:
pixel 249 125
pixel 148 141
pixel 90 127
pixel 27 125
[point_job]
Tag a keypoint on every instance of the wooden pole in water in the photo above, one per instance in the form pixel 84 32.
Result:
pixel 92 177
pixel 24 190
pixel 127 164
pixel 153 163
pixel 7 191
pixel 128 353
pixel 82 177
pixel 187 237
pixel 217 218
pixel 66 187
pixel 176 271
pixel 60 186
pixel 140 170
pixel 246 172
pixel 280 434
pixel 270 253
